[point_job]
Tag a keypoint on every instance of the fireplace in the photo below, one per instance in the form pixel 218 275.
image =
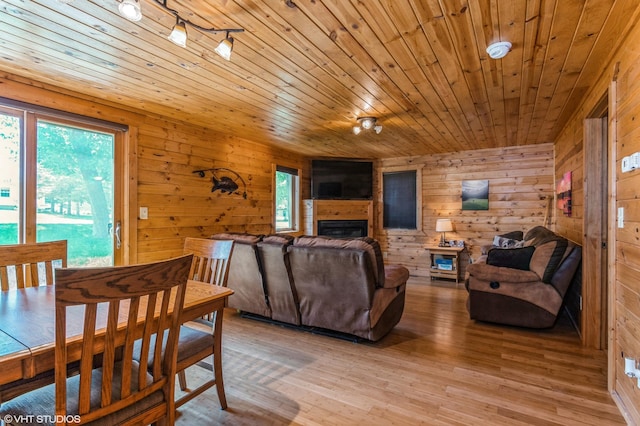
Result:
pixel 343 228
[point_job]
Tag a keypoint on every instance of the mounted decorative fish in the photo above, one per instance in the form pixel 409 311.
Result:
pixel 225 183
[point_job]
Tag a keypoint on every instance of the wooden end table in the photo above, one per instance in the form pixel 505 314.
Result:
pixel 445 262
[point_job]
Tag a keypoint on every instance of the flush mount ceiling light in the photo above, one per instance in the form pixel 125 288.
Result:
pixel 499 49
pixel 367 123
pixel 130 9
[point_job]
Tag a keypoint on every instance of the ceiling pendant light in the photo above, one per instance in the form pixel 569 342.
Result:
pixel 130 9
pixel 225 47
pixel 178 34
pixel 499 49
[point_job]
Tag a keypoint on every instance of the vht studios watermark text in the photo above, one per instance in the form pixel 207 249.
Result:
pixel 9 419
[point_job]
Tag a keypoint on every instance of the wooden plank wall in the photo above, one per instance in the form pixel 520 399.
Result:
pixel 180 203
pixel 620 77
pixel 520 182
pixel 569 158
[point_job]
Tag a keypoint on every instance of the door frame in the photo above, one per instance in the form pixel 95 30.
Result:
pixel 598 137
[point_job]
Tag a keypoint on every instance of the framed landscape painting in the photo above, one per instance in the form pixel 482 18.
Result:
pixel 475 195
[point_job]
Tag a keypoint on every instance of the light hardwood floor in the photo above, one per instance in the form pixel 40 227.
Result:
pixel 436 367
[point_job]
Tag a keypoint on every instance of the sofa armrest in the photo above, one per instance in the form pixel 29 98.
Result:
pixel 395 276
pixel 485 272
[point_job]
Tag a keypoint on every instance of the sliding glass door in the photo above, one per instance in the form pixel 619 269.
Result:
pixel 10 177
pixel 59 181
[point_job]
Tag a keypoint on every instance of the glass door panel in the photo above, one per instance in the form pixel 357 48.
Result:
pixel 10 128
pixel 75 191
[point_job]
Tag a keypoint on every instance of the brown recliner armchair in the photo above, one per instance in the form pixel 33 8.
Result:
pixel 523 286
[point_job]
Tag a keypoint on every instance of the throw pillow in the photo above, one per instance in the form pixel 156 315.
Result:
pixel 503 242
pixel 517 258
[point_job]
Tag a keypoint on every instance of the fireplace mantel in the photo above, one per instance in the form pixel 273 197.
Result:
pixel 315 210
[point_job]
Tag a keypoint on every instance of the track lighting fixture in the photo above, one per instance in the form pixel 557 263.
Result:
pixel 130 9
pixel 367 123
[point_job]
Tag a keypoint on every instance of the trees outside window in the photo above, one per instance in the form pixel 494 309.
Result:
pixel 287 199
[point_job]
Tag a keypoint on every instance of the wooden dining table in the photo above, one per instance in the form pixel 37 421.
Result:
pixel 27 325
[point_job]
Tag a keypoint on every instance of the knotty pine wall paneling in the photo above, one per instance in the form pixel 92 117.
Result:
pixel 569 158
pixel 520 184
pixel 180 202
pixel 620 78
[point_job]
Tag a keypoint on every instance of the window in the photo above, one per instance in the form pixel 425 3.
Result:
pixel 287 199
pixel 402 199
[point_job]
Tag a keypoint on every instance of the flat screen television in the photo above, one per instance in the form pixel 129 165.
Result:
pixel 341 180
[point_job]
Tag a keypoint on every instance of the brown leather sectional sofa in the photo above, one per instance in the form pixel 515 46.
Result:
pixel 523 286
pixel 318 283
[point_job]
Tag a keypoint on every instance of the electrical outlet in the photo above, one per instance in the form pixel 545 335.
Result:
pixel 144 213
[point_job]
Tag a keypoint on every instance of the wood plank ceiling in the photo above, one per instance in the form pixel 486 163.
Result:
pixel 303 70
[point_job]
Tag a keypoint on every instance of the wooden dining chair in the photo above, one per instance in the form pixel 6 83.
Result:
pixel 211 265
pixel 100 313
pixel 30 264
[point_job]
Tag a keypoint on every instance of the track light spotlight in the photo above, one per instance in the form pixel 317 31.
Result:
pixel 130 9
pixel 225 47
pixel 179 33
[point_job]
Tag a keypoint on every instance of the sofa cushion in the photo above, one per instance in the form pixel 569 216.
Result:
pixel 238 237
pixel 369 245
pixel 283 239
pixel 516 258
pixel 548 256
pixel 539 235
